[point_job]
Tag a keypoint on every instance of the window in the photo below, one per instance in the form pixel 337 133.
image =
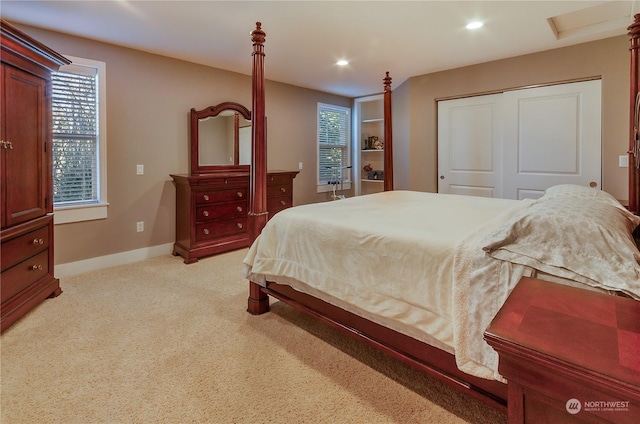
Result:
pixel 79 141
pixel 334 154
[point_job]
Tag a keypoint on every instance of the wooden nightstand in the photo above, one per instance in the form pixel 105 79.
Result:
pixel 569 354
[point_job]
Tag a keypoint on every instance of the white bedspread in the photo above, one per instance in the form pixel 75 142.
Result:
pixel 390 258
pixel 481 285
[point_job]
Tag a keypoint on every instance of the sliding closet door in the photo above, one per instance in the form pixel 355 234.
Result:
pixel 516 144
pixel 552 136
pixel 470 146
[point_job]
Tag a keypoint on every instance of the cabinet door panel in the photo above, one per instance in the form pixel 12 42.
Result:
pixel 3 124
pixel 24 97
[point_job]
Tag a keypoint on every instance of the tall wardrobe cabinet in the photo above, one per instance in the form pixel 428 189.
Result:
pixel 26 202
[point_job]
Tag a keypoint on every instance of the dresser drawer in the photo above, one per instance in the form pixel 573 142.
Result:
pixel 279 190
pixel 276 179
pixel 216 196
pixel 220 181
pixel 276 204
pixel 22 275
pixel 23 247
pixel 216 229
pixel 221 211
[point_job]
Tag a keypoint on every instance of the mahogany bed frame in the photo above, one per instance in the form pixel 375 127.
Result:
pixel 425 358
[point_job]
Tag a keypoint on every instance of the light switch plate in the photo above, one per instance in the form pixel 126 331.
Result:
pixel 623 161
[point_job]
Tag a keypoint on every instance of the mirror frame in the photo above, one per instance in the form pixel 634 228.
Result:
pixel 209 112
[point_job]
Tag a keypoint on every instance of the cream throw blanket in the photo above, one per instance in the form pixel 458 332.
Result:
pixel 481 285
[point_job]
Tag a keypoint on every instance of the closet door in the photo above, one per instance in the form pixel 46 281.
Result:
pixel 470 146
pixel 516 144
pixel 552 136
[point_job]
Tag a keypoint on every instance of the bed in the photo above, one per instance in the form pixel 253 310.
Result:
pixel 421 275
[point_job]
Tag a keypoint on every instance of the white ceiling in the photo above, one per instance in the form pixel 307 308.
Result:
pixel 306 38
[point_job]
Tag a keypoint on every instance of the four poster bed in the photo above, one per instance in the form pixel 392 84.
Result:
pixel 420 275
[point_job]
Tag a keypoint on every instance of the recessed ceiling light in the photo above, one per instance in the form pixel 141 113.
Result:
pixel 474 25
pixel 342 63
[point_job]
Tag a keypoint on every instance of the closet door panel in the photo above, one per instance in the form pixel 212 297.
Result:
pixel 553 136
pixel 469 146
pixel 518 143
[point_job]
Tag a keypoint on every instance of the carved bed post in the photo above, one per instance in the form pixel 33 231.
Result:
pixel 388 136
pixel 258 301
pixel 258 185
pixel 634 173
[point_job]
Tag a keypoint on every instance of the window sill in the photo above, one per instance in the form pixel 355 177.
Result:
pixel 69 214
pixel 324 188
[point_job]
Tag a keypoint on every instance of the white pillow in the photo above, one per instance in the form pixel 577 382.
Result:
pixel 582 192
pixel 584 237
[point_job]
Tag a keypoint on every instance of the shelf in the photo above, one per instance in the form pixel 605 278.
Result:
pixel 368 124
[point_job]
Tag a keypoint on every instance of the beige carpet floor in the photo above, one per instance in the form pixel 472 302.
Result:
pixel 159 341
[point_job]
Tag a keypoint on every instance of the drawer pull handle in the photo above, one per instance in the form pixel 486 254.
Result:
pixel 205 197
pixel 37 242
pixel 239 194
pixel 226 181
pixel 206 231
pixel 6 144
pixel 282 202
pixel 36 267
pixel 282 189
pixel 239 208
pixel 239 225
pixel 205 213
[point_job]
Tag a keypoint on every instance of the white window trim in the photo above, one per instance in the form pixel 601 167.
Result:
pixel 346 185
pixel 325 188
pixel 88 212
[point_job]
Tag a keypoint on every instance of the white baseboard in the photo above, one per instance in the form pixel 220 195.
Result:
pixel 122 258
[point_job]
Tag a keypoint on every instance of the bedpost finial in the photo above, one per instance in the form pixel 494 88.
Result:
pixel 258 35
pixel 387 82
pixel 634 28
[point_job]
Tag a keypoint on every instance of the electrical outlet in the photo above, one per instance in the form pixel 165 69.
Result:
pixel 140 169
pixel 623 161
pixel 140 226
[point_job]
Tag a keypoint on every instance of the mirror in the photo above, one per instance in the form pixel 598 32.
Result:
pixel 220 138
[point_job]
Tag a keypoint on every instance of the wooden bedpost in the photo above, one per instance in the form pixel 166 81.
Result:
pixel 634 172
pixel 258 185
pixel 258 301
pixel 388 136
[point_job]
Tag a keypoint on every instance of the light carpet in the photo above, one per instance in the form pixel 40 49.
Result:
pixel 159 341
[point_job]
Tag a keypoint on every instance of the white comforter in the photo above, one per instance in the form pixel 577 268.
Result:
pixel 407 260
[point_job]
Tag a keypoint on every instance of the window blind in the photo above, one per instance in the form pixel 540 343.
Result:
pixel 333 144
pixel 75 136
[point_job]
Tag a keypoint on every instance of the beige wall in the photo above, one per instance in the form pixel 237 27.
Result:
pixel 148 103
pixel 608 59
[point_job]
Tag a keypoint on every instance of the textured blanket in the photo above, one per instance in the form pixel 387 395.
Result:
pixel 389 257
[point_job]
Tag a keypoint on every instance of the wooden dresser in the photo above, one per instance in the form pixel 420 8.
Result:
pixel 26 204
pixel 570 355
pixel 211 210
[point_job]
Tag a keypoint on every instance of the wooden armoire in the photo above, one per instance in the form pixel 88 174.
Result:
pixel 26 203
